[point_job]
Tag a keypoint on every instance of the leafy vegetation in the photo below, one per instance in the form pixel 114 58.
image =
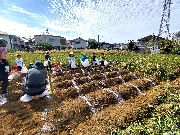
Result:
pixel 165 119
pixel 163 66
pixel 175 51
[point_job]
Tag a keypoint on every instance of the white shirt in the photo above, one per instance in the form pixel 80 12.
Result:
pixel 70 59
pixel 19 62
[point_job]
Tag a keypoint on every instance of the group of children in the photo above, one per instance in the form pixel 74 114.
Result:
pixel 71 60
pixel 83 58
pixel 56 67
pixel 19 67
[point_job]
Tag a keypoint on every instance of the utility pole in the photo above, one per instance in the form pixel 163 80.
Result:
pixel 164 26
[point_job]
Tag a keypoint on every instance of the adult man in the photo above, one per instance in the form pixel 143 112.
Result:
pixel 4 69
pixel 35 82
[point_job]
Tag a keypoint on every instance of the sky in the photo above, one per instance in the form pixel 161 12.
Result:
pixel 115 21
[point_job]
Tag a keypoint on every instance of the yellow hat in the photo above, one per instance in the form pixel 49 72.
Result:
pixel 71 53
pixel 18 54
pixel 82 53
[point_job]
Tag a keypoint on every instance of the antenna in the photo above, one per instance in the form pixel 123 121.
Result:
pixel 164 26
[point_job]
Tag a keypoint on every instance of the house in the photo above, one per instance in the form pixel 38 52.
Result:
pixel 118 46
pixel 142 47
pixel 9 39
pixel 63 43
pixel 78 43
pixel 152 47
pixel 53 40
pixel 104 45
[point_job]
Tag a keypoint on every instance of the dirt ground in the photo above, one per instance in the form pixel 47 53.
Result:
pixel 75 115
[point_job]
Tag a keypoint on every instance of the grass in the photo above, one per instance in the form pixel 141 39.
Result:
pixel 165 118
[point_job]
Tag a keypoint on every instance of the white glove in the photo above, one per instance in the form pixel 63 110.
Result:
pixel 7 68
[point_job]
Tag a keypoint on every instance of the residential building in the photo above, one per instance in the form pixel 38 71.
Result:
pixel 104 45
pixel 9 39
pixel 142 47
pixel 119 46
pixel 53 40
pixel 78 43
pixel 63 42
pixel 154 47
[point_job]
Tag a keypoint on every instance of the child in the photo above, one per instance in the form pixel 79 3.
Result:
pixel 15 69
pixel 48 59
pixel 94 59
pixel 71 59
pixel 83 57
pixel 56 67
pixel 19 62
pixel 102 59
pixel 14 73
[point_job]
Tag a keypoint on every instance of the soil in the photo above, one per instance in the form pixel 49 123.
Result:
pixel 73 112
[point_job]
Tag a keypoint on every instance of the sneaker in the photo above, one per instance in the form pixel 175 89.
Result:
pixel 26 98
pixel 3 99
pixel 45 93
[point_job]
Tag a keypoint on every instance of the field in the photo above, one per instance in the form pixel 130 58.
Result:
pixel 93 100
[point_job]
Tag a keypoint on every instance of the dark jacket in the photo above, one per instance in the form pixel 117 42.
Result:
pixel 35 81
pixel 47 57
pixel 94 58
pixel 3 64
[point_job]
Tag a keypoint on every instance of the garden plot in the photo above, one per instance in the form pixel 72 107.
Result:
pixel 87 93
pixel 81 95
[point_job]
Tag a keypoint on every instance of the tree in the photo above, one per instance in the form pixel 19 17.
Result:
pixel 44 46
pixel 92 44
pixel 166 46
pixel 132 46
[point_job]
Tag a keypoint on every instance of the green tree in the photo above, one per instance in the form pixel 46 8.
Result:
pixel 132 46
pixel 92 44
pixel 166 46
pixel 44 46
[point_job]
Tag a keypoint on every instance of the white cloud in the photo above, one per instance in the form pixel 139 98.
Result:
pixel 113 20
pixel 17 28
pixel 116 20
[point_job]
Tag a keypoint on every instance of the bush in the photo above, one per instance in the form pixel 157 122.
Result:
pixel 176 51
